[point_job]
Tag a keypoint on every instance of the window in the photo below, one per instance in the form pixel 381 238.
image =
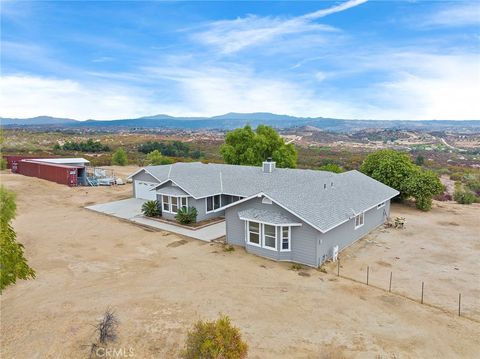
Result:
pixel 254 233
pixel 183 202
pixel 285 243
pixel 213 203
pixel 166 203
pixel 381 205
pixel 174 208
pixel 171 204
pixel 359 220
pixel 269 236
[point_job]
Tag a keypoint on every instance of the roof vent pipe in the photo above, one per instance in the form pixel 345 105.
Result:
pixel 268 166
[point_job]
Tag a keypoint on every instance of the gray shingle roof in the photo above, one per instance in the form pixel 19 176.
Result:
pixel 270 217
pixel 309 194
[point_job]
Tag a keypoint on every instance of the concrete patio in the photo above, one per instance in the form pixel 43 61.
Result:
pixel 130 209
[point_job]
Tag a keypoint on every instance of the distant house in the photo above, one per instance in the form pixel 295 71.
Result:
pixel 302 216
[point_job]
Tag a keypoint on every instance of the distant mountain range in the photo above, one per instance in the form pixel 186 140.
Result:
pixel 234 120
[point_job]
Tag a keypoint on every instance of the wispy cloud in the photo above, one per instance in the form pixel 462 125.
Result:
pixel 25 95
pixel 454 15
pixel 231 36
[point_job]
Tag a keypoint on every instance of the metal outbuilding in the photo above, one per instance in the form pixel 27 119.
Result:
pixel 68 171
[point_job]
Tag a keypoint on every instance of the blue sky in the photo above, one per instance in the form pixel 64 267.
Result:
pixel 345 59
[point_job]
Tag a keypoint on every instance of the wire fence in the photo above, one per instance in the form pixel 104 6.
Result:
pixel 417 297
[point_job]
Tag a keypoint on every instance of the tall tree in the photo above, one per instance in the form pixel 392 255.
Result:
pixel 396 170
pixel 243 146
pixel 13 264
pixel 389 167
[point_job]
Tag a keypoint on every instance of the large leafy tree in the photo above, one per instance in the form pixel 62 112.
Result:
pixel 391 168
pixel 396 170
pixel 244 146
pixel 13 264
pixel 423 185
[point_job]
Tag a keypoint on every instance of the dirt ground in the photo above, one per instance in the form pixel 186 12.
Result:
pixel 159 284
pixel 440 248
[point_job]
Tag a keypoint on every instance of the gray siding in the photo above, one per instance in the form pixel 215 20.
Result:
pixel 199 204
pixel 143 176
pixel 303 238
pixel 346 234
pixel 309 246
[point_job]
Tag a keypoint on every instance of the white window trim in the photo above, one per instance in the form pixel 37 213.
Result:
pixel 247 227
pixel 278 236
pixel 263 238
pixel 381 205
pixel 170 206
pixel 289 239
pixel 213 203
pixel 362 214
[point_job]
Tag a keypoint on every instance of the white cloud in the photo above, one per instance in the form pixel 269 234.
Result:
pixel 230 36
pixel 431 87
pixel 459 14
pixel 28 96
pixel 420 86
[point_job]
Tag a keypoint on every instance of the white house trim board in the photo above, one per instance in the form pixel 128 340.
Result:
pixel 143 169
pixel 175 183
pixel 272 224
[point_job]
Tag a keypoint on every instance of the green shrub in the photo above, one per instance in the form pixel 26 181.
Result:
pixel 228 248
pixel 156 158
pixel 331 167
pixel 214 340
pixel 186 215
pixel 120 157
pixel 464 197
pixel 296 266
pixel 151 209
pixel 13 264
pixel 456 176
pixel 3 163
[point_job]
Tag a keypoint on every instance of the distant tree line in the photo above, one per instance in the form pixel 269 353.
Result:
pixel 84 146
pixel 171 149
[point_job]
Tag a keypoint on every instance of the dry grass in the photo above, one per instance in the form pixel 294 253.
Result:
pixel 86 262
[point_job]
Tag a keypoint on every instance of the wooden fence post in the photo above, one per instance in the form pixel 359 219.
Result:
pixel 368 272
pixel 338 267
pixel 422 293
pixel 459 302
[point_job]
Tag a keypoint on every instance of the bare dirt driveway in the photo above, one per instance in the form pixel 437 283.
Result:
pixel 159 284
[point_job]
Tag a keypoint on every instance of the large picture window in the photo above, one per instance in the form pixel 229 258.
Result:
pixel 254 233
pixel 213 203
pixel 359 220
pixel 269 236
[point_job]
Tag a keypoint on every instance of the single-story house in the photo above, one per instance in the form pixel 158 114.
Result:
pixel 302 216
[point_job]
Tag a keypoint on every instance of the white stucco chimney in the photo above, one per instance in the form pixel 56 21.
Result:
pixel 268 166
